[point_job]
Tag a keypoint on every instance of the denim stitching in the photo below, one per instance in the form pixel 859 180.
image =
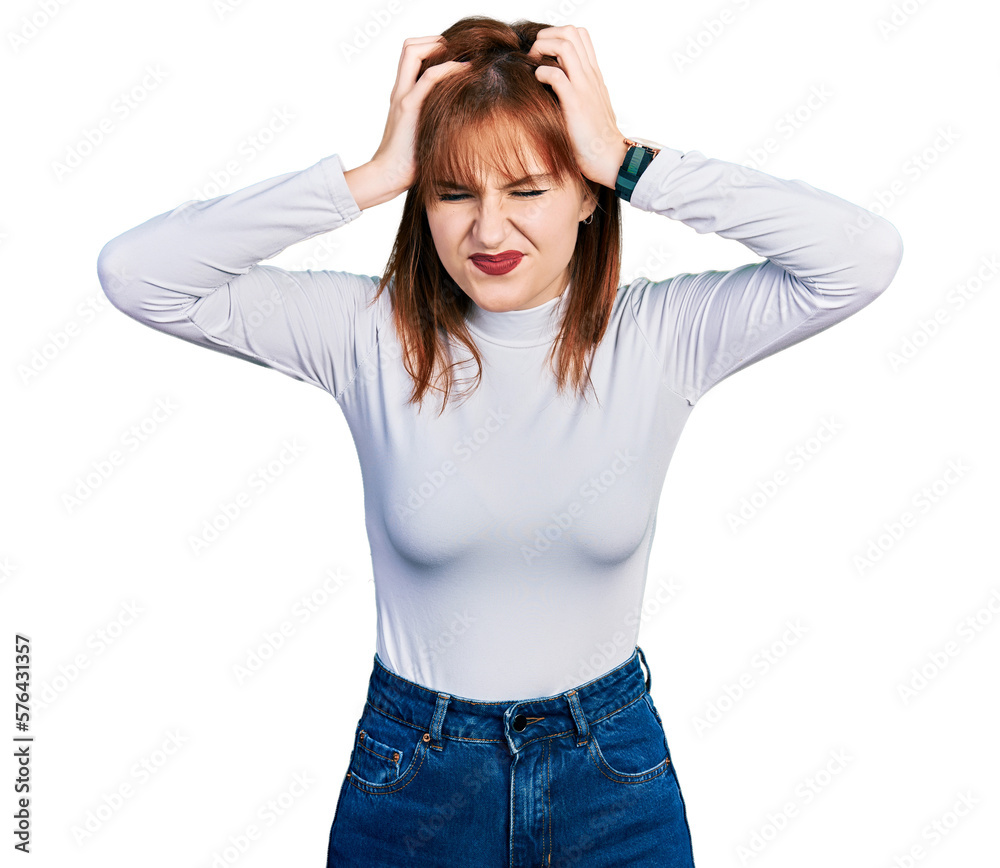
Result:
pixel 499 740
pixel 593 756
pixel 548 784
pixel 377 789
pixel 601 763
pixel 363 744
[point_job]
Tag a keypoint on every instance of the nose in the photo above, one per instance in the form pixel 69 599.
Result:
pixel 491 224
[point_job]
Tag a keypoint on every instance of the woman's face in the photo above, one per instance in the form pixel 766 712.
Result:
pixel 537 218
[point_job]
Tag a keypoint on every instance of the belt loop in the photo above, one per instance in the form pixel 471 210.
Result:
pixel 439 709
pixel 649 677
pixel 579 718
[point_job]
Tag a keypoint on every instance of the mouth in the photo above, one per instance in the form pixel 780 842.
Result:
pixel 502 263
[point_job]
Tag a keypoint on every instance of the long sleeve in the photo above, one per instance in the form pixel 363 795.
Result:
pixel 193 273
pixel 825 259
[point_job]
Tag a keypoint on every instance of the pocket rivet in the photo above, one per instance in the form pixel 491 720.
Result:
pixel 395 757
pixel 426 736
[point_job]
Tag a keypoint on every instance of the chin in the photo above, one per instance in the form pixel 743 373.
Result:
pixel 498 301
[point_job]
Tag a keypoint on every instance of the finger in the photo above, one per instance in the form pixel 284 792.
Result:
pixel 579 36
pixel 591 54
pixel 572 55
pixel 551 38
pixel 415 49
pixel 565 51
pixel 555 78
pixel 438 71
pixel 406 42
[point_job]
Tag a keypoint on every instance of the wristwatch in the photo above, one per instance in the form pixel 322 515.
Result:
pixel 640 154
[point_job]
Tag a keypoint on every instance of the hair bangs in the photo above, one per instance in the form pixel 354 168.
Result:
pixel 464 156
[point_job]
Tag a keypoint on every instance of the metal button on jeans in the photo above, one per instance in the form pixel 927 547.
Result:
pixel 520 722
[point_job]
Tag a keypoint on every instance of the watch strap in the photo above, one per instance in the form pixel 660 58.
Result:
pixel 637 159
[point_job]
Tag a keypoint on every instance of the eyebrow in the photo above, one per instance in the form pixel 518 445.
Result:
pixel 540 178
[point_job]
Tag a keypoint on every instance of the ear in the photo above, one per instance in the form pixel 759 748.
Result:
pixel 589 204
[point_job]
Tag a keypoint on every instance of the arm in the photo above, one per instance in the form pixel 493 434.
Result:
pixel 193 273
pixel 825 259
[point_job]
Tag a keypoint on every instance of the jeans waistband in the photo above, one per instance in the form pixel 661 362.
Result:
pixel 517 722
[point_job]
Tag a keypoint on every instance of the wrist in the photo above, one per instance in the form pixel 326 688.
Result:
pixel 609 173
pixel 373 183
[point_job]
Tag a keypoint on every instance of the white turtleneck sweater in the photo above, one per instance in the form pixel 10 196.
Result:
pixel 510 536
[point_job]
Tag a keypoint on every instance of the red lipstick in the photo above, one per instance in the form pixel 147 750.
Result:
pixel 501 263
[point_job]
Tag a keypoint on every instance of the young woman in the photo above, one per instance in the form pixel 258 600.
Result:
pixel 508 720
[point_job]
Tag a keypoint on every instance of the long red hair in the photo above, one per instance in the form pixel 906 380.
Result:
pixel 489 112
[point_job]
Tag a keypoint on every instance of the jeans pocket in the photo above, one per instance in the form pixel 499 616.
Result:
pixel 387 753
pixel 630 746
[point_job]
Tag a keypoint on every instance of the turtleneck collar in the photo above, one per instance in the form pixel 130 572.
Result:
pixel 518 328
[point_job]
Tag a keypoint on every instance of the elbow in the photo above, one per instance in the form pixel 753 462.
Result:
pixel 124 268
pixel 884 256
pixel 114 274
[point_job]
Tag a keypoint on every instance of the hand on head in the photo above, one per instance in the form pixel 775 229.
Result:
pixel 577 82
pixel 396 153
pixel 583 96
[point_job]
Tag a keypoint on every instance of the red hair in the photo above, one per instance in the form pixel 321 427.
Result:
pixel 490 111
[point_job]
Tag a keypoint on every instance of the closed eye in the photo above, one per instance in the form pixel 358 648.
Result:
pixel 455 197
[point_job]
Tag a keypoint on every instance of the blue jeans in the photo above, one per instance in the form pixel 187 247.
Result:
pixel 583 778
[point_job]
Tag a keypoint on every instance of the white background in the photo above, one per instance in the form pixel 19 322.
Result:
pixel 910 107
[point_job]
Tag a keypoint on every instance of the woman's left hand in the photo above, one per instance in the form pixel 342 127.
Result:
pixel 578 83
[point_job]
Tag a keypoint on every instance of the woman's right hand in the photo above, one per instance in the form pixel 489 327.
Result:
pixel 396 156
